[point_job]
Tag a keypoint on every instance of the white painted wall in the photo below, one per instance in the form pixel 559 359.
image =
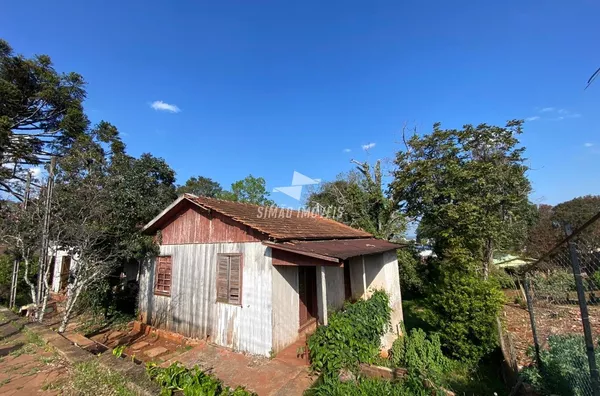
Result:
pixel 286 318
pixel 192 309
pixel 59 254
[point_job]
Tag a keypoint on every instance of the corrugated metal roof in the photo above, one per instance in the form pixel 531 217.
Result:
pixel 341 249
pixel 277 223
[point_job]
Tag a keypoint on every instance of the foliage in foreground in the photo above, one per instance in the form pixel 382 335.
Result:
pixel 192 382
pixel 413 273
pixel 412 386
pixel 352 336
pixel 463 309
pixel 421 355
pixel 565 367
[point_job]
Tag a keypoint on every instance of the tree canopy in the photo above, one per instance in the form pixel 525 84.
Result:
pixel 41 114
pixel 201 186
pixel 469 186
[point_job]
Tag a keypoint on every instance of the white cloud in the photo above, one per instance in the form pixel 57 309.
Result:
pixel 347 150
pixel 547 109
pixel 589 144
pixel 36 172
pixel 368 146
pixel 159 105
pixel 532 118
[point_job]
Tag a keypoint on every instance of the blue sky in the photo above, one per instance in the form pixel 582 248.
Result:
pixel 271 87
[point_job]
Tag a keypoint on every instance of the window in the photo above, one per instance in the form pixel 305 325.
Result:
pixel 162 284
pixel 229 278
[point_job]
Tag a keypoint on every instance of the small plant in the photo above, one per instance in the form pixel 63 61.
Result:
pixel 118 351
pixel 191 382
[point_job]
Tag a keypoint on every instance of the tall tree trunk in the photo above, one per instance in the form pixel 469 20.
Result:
pixel 73 292
pixel 488 258
pixel 46 292
pixel 27 281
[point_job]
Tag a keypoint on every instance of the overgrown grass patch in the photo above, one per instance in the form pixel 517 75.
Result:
pixel 90 379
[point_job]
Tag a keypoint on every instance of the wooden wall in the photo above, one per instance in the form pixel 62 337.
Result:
pixel 192 309
pixel 193 225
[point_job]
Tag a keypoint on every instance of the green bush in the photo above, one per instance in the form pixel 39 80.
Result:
pixel 463 309
pixel 412 386
pixel 503 278
pixel 555 285
pixel 420 355
pixel 413 273
pixel 192 382
pixel 352 336
pixel 565 367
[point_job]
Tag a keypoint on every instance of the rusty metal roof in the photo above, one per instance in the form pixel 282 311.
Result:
pixel 341 248
pixel 279 224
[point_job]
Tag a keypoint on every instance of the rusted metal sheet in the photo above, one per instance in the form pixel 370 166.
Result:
pixel 338 248
pixel 192 225
pixel 192 309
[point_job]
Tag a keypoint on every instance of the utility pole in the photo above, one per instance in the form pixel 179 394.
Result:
pixel 15 273
pixel 43 261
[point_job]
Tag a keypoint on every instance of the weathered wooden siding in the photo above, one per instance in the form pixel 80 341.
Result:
pixel 193 225
pixel 335 290
pixel 286 319
pixel 192 309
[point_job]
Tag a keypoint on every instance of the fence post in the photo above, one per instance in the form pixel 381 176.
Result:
pixel 536 343
pixel 585 319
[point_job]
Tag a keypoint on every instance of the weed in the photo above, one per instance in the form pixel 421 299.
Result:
pixel 118 351
pixel 89 379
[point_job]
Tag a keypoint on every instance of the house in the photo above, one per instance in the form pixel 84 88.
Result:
pixel 255 279
pixel 61 264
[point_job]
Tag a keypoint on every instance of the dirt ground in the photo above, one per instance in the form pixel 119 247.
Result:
pixel 550 319
pixel 27 366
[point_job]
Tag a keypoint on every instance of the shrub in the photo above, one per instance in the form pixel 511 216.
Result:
pixel 411 386
pixel 413 273
pixel 192 382
pixel 420 355
pixel 463 308
pixel 352 336
pixel 565 367
pixel 500 276
pixel 555 285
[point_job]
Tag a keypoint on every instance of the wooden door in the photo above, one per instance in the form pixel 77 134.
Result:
pixel 64 272
pixel 307 293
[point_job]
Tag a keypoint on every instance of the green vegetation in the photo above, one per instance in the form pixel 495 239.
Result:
pixel 192 382
pixel 371 386
pixel 413 273
pixel 352 336
pixel 89 379
pixel 565 367
pixel 463 308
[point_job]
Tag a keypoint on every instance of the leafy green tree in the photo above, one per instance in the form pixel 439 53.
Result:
pixel 468 185
pixel 577 212
pixel 201 186
pixel 542 235
pixel 41 114
pixel 362 202
pixel 463 309
pixel 250 190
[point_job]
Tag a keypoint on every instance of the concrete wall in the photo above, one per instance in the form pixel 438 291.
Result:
pixel 192 309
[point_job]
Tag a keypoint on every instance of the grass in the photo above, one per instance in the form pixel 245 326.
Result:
pixel 89 379
pixel 33 342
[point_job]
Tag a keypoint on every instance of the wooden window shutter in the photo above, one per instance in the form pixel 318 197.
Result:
pixel 222 278
pixel 235 279
pixel 229 278
pixel 163 273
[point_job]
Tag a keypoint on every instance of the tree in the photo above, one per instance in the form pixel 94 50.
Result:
pixel 469 186
pixel 41 114
pixel 201 186
pixel 542 235
pixel 250 190
pixel 361 202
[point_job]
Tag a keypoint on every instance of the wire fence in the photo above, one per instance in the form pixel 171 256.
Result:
pixel 562 292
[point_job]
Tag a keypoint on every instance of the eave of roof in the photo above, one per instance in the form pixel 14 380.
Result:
pixel 336 249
